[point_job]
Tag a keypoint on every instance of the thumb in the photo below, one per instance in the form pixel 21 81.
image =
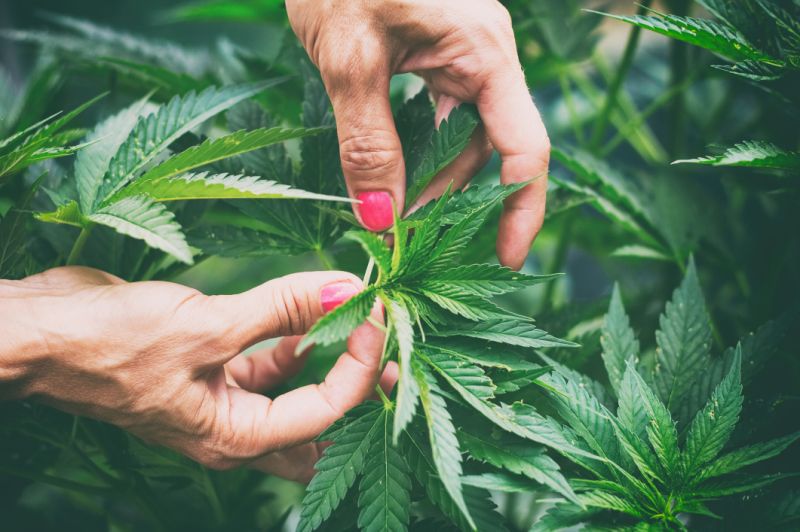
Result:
pixel 369 147
pixel 286 306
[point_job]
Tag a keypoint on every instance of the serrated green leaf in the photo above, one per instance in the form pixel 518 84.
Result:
pixel 620 190
pixel 607 501
pixel 713 36
pixel 464 303
pixel 630 410
pixel 468 376
pixel 407 387
pixel 338 468
pixel 68 213
pixel 735 484
pixel 92 163
pixel 139 217
pixel 684 341
pixel 39 142
pixel 213 150
pixel 485 354
pixel 752 154
pixel 478 500
pixel 321 170
pixel 443 441
pixel 584 413
pixel 341 321
pixel 484 280
pixel 238 242
pixel 753 70
pixel 757 349
pixel 745 456
pixel 639 453
pixel 385 489
pixel 661 430
pixel 375 247
pixel 519 457
pixel 455 239
pixel 512 381
pixel 446 143
pixel 618 340
pixel 502 482
pixel 154 133
pixel 215 186
pixel 713 425
pixel 463 202
pixel 512 332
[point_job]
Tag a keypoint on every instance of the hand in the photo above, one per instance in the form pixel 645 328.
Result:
pixel 163 361
pixel 465 51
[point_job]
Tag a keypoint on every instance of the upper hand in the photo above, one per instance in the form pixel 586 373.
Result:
pixel 163 361
pixel 465 51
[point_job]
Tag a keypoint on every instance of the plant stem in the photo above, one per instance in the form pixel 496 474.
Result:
pixel 558 260
pixel 574 120
pixel 639 119
pixel 368 272
pixel 77 247
pixel 386 401
pixel 679 68
pixel 616 83
pixel 324 259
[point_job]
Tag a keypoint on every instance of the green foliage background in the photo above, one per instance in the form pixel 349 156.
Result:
pixel 622 105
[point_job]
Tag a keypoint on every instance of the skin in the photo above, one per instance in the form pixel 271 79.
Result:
pixel 164 361
pixel 465 52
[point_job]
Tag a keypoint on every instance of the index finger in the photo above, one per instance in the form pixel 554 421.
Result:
pixel 302 414
pixel 518 134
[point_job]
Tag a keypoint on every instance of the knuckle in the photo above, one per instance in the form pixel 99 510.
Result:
pixel 293 310
pixel 370 154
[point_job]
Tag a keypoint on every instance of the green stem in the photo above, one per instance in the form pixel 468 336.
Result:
pixel 679 68
pixel 77 247
pixel 574 120
pixel 559 258
pixel 616 83
pixel 386 401
pixel 324 259
pixel 632 125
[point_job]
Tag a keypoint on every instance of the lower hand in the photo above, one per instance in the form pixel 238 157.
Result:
pixel 163 361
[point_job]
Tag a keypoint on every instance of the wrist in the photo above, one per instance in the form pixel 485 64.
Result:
pixel 24 345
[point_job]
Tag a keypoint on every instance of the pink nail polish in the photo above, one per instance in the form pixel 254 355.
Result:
pixel 334 294
pixel 375 210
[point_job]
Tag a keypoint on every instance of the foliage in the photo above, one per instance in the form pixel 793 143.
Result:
pixel 664 454
pixel 662 429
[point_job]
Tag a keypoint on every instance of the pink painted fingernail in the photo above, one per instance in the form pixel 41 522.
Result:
pixel 375 210
pixel 334 294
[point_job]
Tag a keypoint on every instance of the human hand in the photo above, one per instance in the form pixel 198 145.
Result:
pixel 163 361
pixel 465 51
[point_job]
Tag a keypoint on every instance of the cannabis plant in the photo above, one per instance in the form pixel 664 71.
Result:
pixel 663 429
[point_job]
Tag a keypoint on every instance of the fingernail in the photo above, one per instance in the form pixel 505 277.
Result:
pixel 335 294
pixel 375 210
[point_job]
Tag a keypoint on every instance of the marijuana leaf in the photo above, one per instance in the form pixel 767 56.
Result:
pixel 340 464
pixel 619 342
pixel 684 340
pixel 754 154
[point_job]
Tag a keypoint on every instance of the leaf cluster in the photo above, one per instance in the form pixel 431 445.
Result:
pixel 129 170
pixel 665 446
